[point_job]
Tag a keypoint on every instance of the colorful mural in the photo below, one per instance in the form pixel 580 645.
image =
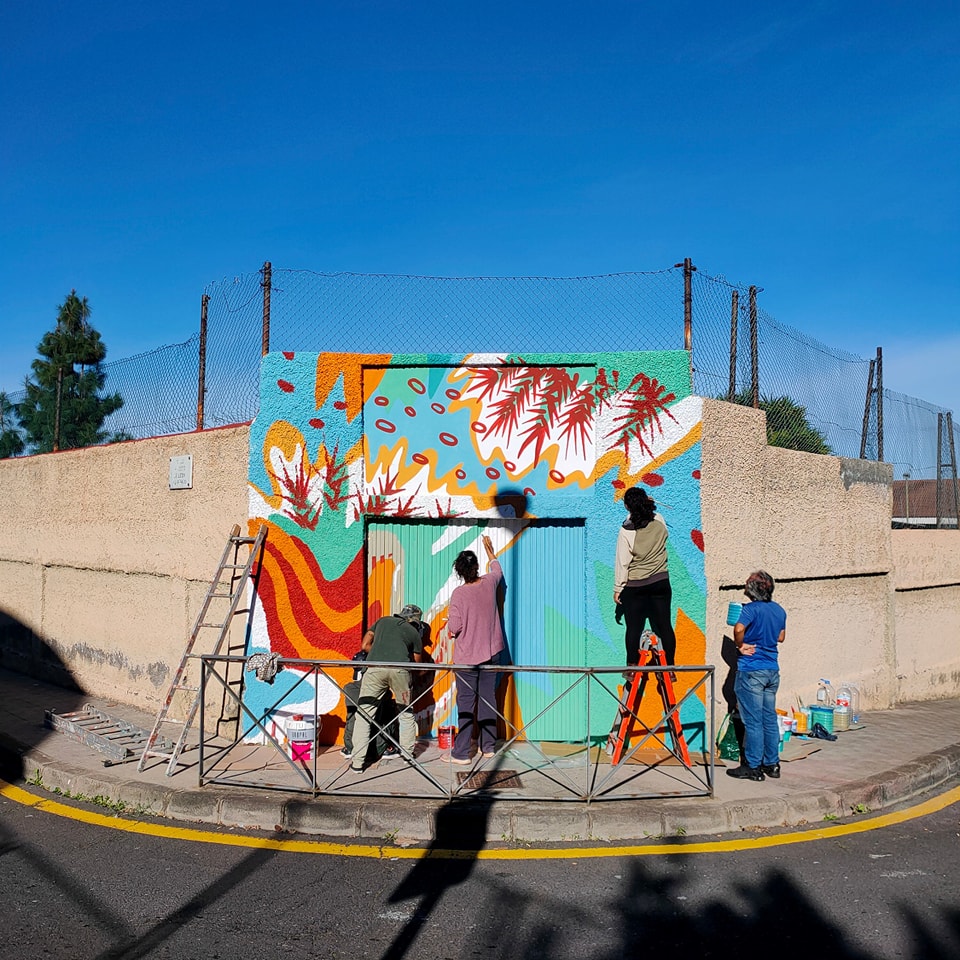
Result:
pixel 374 471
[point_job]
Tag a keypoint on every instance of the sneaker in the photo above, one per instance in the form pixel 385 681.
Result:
pixel 487 756
pixel 391 755
pixel 746 773
pixel 346 754
pixel 771 770
pixel 449 758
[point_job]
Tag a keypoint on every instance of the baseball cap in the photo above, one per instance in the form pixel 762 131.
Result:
pixel 411 612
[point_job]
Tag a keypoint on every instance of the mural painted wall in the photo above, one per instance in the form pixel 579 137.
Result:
pixel 374 471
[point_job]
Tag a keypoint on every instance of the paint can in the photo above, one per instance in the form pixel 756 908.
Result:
pixel 445 736
pixel 733 613
pixel 302 734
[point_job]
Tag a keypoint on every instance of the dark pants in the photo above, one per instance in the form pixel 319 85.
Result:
pixel 651 602
pixel 476 711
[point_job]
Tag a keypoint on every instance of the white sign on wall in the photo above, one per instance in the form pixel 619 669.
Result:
pixel 181 472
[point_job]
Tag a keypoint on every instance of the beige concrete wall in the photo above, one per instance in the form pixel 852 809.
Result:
pixel 927 589
pixel 821 526
pixel 104 567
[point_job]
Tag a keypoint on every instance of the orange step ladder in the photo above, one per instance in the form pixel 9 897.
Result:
pixel 651 655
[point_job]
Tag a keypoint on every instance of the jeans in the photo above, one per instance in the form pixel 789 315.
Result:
pixel 476 711
pixel 757 701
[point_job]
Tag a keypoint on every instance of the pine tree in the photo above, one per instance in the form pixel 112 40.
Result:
pixel 11 437
pixel 63 408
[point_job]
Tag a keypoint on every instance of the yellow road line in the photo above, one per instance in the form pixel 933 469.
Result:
pixel 386 852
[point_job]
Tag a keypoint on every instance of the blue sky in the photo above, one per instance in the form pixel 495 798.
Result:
pixel 812 150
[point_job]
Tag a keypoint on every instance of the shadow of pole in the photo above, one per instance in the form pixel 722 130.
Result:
pixel 460 834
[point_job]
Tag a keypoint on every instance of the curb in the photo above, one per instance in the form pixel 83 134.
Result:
pixel 426 821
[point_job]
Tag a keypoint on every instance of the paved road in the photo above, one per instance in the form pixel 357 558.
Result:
pixel 75 890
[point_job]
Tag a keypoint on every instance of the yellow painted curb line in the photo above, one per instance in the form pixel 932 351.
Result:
pixel 385 852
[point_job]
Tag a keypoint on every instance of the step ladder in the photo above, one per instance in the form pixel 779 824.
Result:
pixel 628 719
pixel 241 555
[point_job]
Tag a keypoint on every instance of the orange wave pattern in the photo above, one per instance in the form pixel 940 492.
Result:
pixel 308 616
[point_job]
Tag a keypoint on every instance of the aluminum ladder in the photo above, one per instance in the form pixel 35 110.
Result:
pixel 229 582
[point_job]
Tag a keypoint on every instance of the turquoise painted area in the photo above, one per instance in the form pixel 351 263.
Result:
pixel 297 408
pixel 420 413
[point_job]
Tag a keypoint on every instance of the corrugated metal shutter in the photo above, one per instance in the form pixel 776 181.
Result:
pixel 544 604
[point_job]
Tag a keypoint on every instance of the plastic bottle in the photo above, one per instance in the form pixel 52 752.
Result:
pixel 854 689
pixel 824 694
pixel 844 696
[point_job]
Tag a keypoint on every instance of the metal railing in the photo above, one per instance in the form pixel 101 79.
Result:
pixel 584 701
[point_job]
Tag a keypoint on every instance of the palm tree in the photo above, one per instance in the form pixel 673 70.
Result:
pixel 11 439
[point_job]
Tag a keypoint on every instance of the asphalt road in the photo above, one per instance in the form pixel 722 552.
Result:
pixel 75 890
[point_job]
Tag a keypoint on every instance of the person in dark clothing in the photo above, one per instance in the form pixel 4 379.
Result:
pixel 393 639
pixel 642 589
pixel 386 714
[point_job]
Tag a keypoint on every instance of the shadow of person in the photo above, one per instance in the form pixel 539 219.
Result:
pixel 33 678
pixel 460 834
pixel 730 656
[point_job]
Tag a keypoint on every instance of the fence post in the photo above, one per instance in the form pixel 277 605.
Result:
pixel 56 410
pixel 754 350
pixel 953 468
pixel 202 372
pixel 734 314
pixel 265 339
pixel 688 270
pixel 866 412
pixel 880 404
pixel 939 470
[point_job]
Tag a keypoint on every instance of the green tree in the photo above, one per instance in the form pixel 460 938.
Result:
pixel 787 424
pixel 11 437
pixel 63 408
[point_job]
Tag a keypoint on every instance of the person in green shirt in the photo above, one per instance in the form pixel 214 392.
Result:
pixel 393 639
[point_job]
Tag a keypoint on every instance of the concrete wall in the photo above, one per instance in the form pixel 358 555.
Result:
pixel 864 603
pixel 927 591
pixel 103 568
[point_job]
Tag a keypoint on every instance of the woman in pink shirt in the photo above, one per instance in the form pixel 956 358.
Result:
pixel 474 623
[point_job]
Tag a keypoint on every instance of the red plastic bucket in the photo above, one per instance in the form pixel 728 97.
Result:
pixel 445 737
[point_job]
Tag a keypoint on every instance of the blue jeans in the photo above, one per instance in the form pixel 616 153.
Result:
pixel 756 692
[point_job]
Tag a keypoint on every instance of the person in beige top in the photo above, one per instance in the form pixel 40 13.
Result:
pixel 641 581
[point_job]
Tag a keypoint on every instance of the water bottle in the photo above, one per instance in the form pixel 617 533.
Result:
pixel 824 694
pixel 844 696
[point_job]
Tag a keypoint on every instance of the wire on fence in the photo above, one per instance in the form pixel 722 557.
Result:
pixel 817 398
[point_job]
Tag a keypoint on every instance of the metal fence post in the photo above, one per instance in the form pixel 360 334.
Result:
pixel 688 269
pixel 265 283
pixel 734 315
pixel 202 373
pixel 866 411
pixel 880 404
pixel 754 351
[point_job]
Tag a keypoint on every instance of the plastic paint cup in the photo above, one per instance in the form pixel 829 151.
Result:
pixel 733 613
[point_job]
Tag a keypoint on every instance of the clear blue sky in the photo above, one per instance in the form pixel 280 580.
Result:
pixel 813 150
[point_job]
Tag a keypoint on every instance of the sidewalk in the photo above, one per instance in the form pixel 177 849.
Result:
pixel 895 756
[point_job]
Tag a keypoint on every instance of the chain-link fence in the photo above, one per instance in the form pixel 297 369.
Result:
pixel 816 397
